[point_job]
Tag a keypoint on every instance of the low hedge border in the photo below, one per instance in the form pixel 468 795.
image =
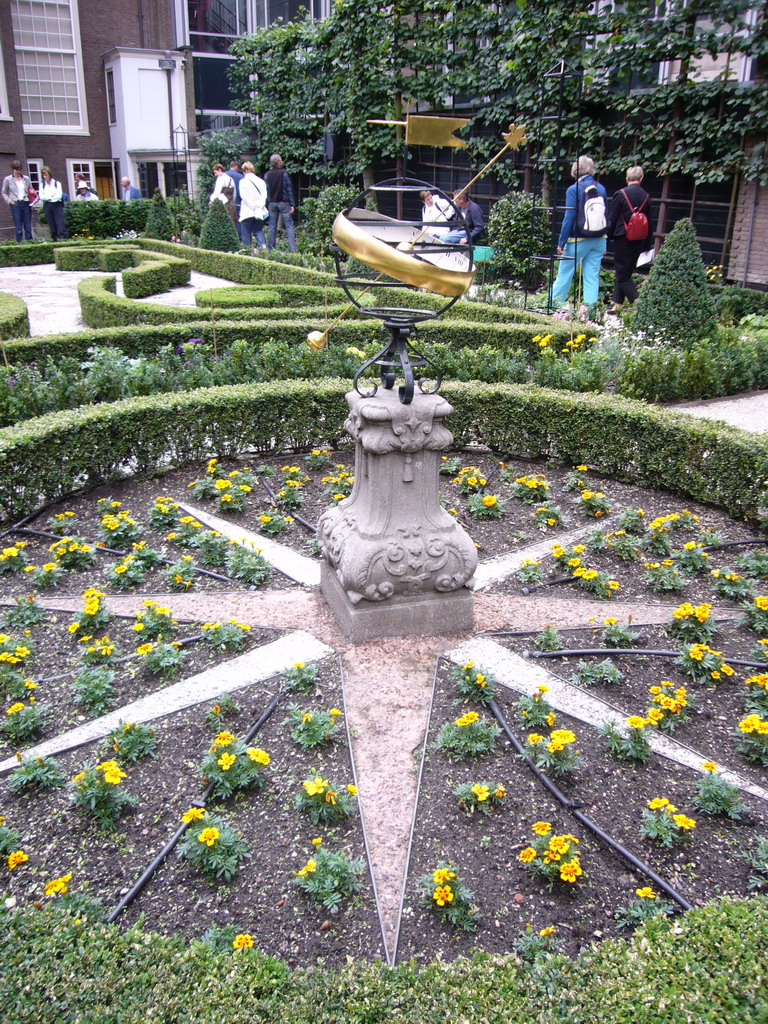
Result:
pixel 14 318
pixel 92 257
pixel 144 273
pixel 706 966
pixel 33 254
pixel 48 457
pixel 292 295
pixel 242 269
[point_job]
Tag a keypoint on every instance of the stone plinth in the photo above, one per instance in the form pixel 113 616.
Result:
pixel 395 562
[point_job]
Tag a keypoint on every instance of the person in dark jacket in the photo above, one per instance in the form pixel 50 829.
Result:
pixel 626 252
pixel 473 217
pixel 280 202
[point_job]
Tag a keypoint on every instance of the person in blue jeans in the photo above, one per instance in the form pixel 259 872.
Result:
pixel 579 251
pixel 280 202
pixel 14 192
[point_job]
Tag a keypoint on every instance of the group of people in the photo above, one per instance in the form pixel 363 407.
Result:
pixel 253 202
pixel 21 197
pixel 626 219
pixel 438 212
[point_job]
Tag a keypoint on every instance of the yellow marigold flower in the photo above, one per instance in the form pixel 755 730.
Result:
pixel 58 886
pixel 541 828
pixel 208 835
pixel 442 875
pixel 193 814
pixel 242 942
pixel 527 855
pixel 14 709
pixel 534 738
pixel 314 786
pixel 610 621
pixel 113 776
pixel 309 868
pixel 145 648
pixel 258 756
pixel 352 789
pixel 468 719
pixel 635 722
pixel 563 736
pixel 683 822
pixel 646 893
pixel 570 871
pixel 500 792
pixel 226 761
pixel 762 603
pixel 583 469
pixel 224 739
pixel 16 858
pixel 489 501
pixel 655 715
pixel 551 718
pixel 318 841
pixel 749 724
pixel 709 766
pixel 481 793
pixel 334 712
pixel 658 802
pixel 726 669
pixel 442 895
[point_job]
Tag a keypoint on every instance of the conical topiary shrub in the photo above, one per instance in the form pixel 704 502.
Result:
pixel 159 221
pixel 675 303
pixel 218 230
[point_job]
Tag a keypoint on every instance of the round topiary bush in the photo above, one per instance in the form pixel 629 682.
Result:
pixel 516 234
pixel 676 302
pixel 218 230
pixel 159 221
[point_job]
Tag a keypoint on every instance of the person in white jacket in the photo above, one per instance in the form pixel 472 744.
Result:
pixel 253 207
pixel 223 181
pixel 435 211
pixel 52 196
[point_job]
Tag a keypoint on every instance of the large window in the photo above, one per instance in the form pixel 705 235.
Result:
pixel 5 113
pixel 48 65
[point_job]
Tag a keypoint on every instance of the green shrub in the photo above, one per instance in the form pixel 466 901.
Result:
pixel 218 230
pixel 105 219
pixel 318 214
pixel 147 279
pixel 732 303
pixel 514 237
pixel 14 319
pixel 675 303
pixel 226 298
pixel 159 221
pixel 178 269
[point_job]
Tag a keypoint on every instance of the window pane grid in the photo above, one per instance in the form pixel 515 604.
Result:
pixel 46 62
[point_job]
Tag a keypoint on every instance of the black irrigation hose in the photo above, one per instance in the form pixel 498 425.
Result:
pixel 736 544
pixel 152 867
pixel 118 661
pixel 122 554
pixel 631 650
pixel 550 583
pixel 574 809
pixel 294 515
pixel 584 629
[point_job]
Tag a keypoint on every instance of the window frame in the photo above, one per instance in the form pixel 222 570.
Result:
pixel 5 112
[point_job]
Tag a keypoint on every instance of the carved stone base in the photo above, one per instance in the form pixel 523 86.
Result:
pixel 434 613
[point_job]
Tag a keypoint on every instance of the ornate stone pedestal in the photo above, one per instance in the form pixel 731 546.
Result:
pixel 395 562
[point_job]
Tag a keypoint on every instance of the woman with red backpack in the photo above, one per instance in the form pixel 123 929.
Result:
pixel 630 227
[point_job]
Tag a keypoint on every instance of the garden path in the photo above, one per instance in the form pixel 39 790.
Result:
pixel 387 694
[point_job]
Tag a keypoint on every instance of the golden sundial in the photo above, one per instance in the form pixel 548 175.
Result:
pixel 405 252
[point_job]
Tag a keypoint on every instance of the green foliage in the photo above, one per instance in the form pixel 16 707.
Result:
pixel 23 613
pixel 444 891
pixel 479 796
pixel 231 766
pixel 214 848
pixel 717 796
pixel 225 707
pixel 602 673
pixel 468 736
pixel 324 802
pixel 299 678
pixel 328 878
pixel 641 910
pixel 515 237
pixel 105 219
pixel 549 639
pixel 675 303
pixel 218 230
pixel 94 690
pixel 130 742
pixel 219 146
pixel 630 743
pixel 319 212
pixel 663 825
pixel 226 298
pixel 14 319
pixel 225 636
pixel 159 221
pixel 36 772
pixel 312 727
pixel 535 710
pixel 472 685
pixel 21 721
pixel 162 659
pixel 97 790
pixel 247 566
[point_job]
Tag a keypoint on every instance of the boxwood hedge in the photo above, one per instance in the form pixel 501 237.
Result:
pixel 705 967
pixel 14 319
pixel 50 456
pixel 29 254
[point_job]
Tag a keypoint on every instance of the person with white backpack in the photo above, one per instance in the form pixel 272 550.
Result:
pixel 253 207
pixel 583 234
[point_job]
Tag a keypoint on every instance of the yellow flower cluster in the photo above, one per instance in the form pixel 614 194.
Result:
pixel 760 680
pixel 687 611
pixel 560 739
pixel 542 340
pixel 193 814
pixel 58 886
pixel 660 803
pixel 754 724
pixel 309 868
pixel 468 719
pixel 535 482
pixel 112 772
pixel 16 858
pixel 209 836
pixel 666 702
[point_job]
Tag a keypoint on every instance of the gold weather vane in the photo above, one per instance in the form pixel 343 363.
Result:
pixel 422 131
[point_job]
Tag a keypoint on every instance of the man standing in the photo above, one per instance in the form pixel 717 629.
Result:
pixel 130 192
pixel 473 217
pixel 236 176
pixel 280 202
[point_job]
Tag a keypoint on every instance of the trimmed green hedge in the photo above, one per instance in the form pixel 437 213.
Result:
pixel 91 257
pixel 706 967
pixel 107 218
pixel 242 269
pixel 291 295
pixel 32 254
pixel 147 279
pixel 48 457
pixel 14 318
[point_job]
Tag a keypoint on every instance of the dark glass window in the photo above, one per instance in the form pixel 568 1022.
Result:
pixel 111 108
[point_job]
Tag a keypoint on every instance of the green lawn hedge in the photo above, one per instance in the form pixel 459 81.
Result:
pixel 32 254
pixel 706 967
pixel 14 319
pixel 50 456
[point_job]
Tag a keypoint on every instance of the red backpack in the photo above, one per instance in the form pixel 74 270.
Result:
pixel 636 228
